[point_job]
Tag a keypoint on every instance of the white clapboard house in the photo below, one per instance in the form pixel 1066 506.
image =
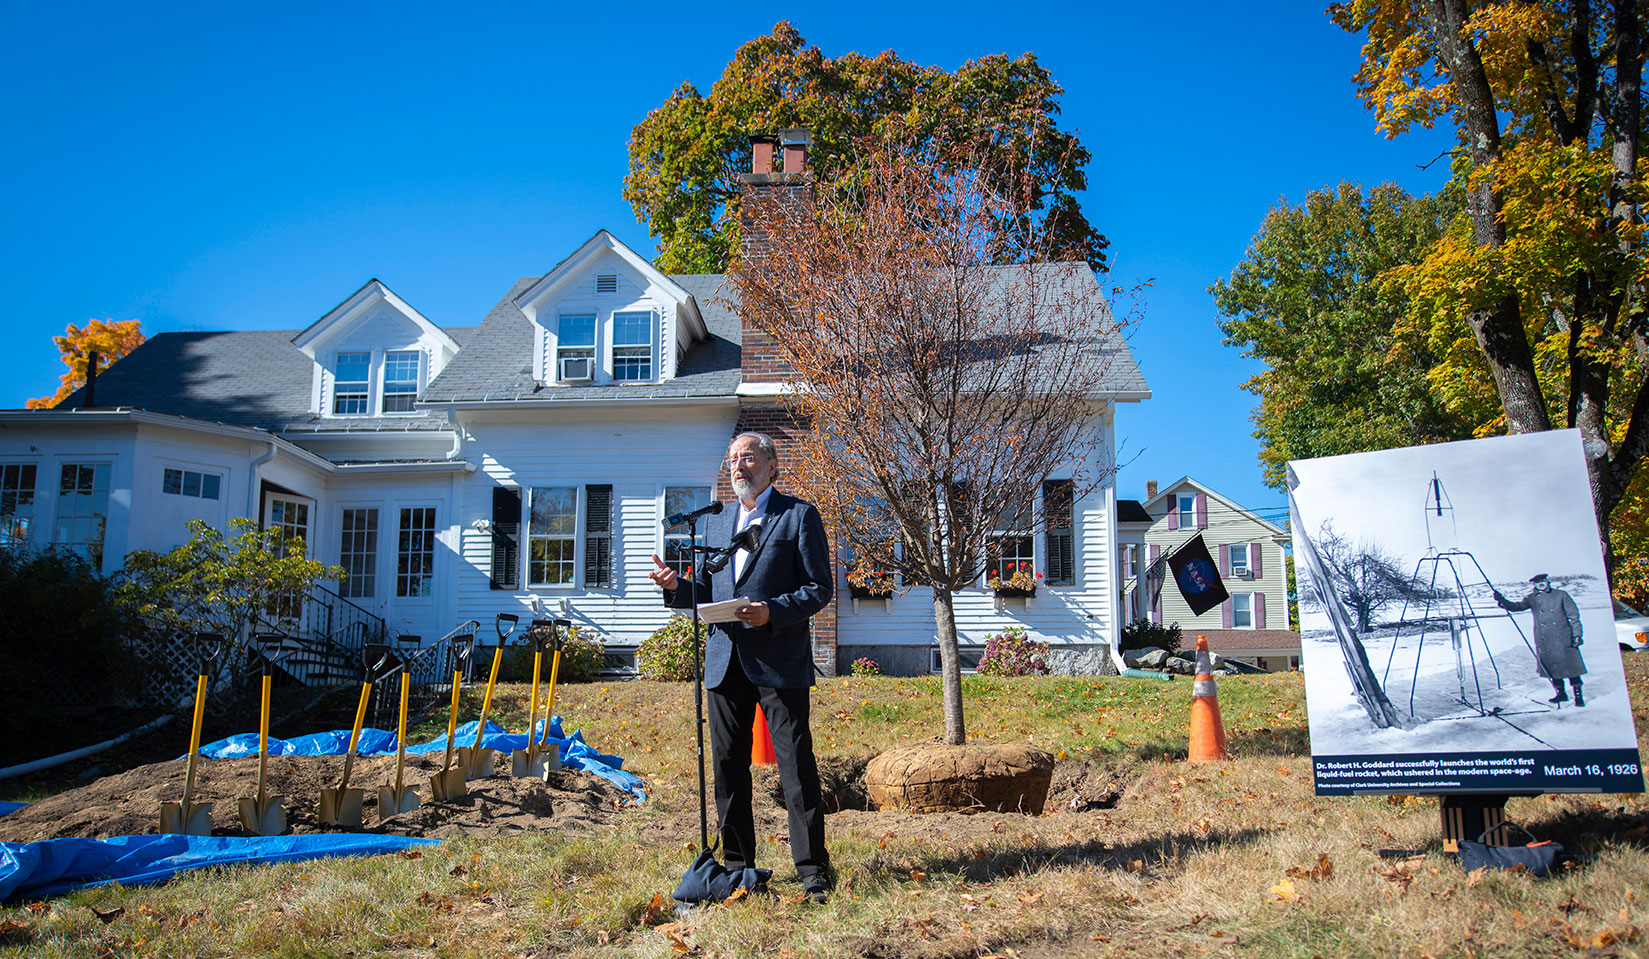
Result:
pixel 459 471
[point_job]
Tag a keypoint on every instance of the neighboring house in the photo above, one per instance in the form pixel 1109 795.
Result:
pixel 456 472
pixel 1253 624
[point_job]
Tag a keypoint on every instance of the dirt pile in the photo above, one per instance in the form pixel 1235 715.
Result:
pixel 128 803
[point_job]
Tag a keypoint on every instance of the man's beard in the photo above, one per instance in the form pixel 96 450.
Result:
pixel 743 487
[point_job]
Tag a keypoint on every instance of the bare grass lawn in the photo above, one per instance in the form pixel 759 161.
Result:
pixel 1139 854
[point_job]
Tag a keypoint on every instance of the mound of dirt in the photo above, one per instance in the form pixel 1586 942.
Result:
pixel 128 803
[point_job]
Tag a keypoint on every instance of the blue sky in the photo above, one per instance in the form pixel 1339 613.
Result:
pixel 232 166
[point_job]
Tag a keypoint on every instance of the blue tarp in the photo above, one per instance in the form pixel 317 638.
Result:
pixel 575 752
pixel 55 866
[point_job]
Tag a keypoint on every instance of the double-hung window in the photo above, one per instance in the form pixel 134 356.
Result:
pixel 16 503
pixel 633 346
pixel 1186 504
pixel 1239 559
pixel 400 380
pixel 552 536
pixel 352 384
pixel 1010 548
pixel 575 347
pixel 82 509
pixel 678 546
pixel 1242 610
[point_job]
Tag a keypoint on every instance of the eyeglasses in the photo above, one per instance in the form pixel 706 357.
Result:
pixel 747 458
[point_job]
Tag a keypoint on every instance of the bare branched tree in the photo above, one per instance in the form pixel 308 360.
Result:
pixel 1367 577
pixel 941 386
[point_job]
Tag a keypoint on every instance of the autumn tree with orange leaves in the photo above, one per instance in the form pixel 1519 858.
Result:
pixel 109 339
pixel 1546 271
pixel 941 388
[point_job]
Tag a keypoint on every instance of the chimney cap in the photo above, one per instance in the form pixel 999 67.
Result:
pixel 763 138
pixel 796 137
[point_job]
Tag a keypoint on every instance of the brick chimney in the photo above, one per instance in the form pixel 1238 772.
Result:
pixel 767 195
pixel 1150 489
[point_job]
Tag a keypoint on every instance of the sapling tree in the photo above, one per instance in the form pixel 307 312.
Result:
pixel 939 388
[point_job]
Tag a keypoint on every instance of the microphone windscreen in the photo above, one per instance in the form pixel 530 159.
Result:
pixel 717 507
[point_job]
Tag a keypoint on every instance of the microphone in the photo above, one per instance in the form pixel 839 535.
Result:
pixel 678 519
pixel 745 540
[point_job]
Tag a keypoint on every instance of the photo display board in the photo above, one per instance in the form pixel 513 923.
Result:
pixel 1456 627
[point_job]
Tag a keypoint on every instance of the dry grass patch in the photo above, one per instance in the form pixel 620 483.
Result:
pixel 1140 854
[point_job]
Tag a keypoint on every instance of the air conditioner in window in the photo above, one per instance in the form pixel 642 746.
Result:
pixel 574 368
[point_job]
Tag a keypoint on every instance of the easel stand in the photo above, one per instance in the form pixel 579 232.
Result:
pixel 1467 817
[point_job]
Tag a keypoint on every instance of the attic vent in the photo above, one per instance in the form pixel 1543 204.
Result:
pixel 606 283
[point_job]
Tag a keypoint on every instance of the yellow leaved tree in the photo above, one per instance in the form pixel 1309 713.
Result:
pixel 109 339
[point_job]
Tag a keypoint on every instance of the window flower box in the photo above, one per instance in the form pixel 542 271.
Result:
pixel 866 583
pixel 1015 581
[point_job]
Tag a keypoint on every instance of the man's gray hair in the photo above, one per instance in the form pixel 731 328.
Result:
pixel 763 442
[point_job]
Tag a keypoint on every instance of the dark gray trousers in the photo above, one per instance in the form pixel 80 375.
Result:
pixel 732 708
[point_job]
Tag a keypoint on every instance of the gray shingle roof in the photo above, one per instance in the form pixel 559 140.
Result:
pixel 496 365
pixel 258 378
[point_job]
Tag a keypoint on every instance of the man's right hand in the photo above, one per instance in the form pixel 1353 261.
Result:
pixel 663 576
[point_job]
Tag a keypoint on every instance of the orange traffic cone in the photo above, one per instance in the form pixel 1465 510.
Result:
pixel 1207 732
pixel 761 741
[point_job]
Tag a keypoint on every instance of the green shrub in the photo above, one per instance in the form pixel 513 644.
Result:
pixel 1013 652
pixel 62 640
pixel 582 659
pixel 1144 634
pixel 668 653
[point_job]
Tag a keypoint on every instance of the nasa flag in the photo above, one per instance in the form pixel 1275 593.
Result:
pixel 1197 576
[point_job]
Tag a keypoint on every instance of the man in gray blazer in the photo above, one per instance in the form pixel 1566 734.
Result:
pixel 766 657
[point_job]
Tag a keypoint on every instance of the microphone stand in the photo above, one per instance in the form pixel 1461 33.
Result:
pixel 698 682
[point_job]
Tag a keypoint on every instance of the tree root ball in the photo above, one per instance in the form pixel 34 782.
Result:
pixel 938 777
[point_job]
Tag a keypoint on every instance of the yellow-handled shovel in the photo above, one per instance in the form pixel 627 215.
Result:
pixel 397 799
pixel 263 814
pixel 191 818
pixel 552 754
pixel 341 805
pixel 449 783
pixel 530 761
pixel 475 761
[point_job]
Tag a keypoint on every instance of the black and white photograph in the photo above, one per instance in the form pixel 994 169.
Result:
pixel 1457 629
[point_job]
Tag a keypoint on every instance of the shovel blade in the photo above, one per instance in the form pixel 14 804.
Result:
pixel 393 802
pixel 449 784
pixel 534 762
pixel 267 818
pixel 186 818
pixel 476 762
pixel 341 807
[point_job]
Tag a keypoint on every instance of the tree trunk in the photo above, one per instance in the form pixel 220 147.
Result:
pixel 950 666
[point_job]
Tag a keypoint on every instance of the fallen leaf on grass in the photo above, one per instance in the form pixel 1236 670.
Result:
pixel 1476 876
pixel 737 894
pixel 918 875
pixel 412 854
pixel 1284 891
pixel 1400 875
pixel 655 911
pixel 1324 869
pixel 885 837
pixel 111 915
pixel 1026 899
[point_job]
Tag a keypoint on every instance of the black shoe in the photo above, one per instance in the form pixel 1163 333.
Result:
pixel 1579 702
pixel 817 888
pixel 1561 697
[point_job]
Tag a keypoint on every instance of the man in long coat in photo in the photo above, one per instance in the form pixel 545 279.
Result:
pixel 1556 635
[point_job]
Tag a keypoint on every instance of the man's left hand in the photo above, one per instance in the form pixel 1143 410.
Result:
pixel 756 614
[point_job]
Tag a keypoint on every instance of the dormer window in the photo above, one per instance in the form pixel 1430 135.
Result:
pixel 352 380
pixel 633 346
pixel 575 347
pixel 400 380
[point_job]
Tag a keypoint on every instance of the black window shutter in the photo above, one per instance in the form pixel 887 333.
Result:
pixel 506 537
pixel 598 536
pixel 1061 542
